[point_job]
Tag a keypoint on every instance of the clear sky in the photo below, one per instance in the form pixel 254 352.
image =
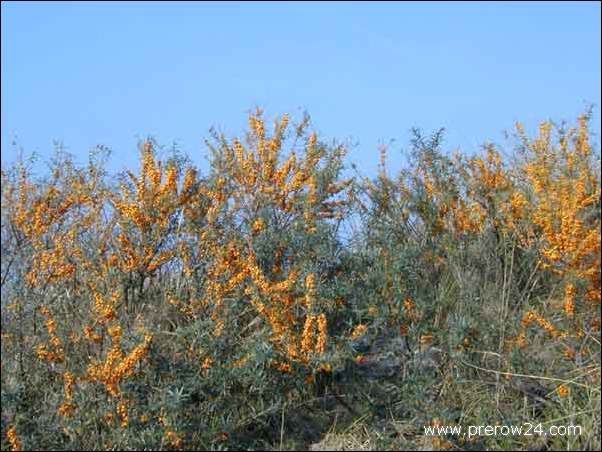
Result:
pixel 112 73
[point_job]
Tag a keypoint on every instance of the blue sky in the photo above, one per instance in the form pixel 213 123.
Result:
pixel 89 74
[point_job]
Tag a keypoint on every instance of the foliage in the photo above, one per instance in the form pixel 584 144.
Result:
pixel 174 310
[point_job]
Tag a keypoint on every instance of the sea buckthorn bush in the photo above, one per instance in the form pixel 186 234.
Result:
pixel 277 298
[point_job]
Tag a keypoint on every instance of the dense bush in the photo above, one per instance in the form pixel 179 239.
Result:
pixel 275 303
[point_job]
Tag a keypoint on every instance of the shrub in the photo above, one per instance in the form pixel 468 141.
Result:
pixel 171 309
